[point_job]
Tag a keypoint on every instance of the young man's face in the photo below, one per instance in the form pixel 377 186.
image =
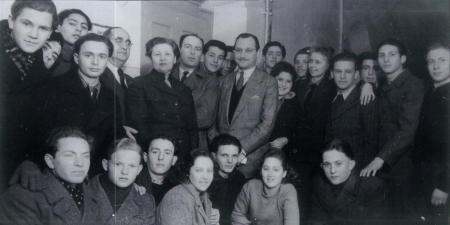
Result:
pixel 226 157
pixel 73 27
pixel 123 167
pixel 72 159
pixel 91 59
pixel 191 52
pixel 245 53
pixel 301 64
pixel 31 29
pixel 344 74
pixel 390 59
pixel 438 64
pixel 229 65
pixel 337 166
pixel 273 55
pixel 160 156
pixel 214 59
pixel 51 51
pixel 370 71
pixel 121 51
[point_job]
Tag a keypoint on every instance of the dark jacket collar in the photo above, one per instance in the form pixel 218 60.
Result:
pixel 399 80
pixel 159 82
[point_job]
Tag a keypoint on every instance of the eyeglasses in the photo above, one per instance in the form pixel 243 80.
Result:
pixel 120 41
pixel 247 50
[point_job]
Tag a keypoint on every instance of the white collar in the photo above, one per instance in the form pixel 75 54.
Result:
pixel 114 71
pixel 345 93
pixel 247 74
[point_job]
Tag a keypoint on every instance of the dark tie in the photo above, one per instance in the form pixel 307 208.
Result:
pixel 240 82
pixel 183 78
pixel 122 79
pixel 312 87
pixel 338 102
pixel 94 92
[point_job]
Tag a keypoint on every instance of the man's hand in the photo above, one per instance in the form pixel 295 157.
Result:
pixel 130 131
pixel 279 142
pixel 373 167
pixel 215 217
pixel 29 176
pixel 438 197
pixel 140 189
pixel 367 94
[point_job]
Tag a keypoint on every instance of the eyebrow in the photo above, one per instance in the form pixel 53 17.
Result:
pixel 77 21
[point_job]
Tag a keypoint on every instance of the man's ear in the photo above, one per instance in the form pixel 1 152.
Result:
pixel 174 160
pixel 356 75
pixel 214 155
pixel 10 22
pixel 321 165
pixel 202 58
pixel 75 58
pixel 174 60
pixel 403 58
pixel 145 156
pixel 105 164
pixel 352 164
pixel 49 160
pixel 140 169
pixel 332 74
pixel 263 58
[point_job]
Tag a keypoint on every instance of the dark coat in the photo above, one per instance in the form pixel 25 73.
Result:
pixel 110 81
pixel 136 209
pixel 358 125
pixel 361 201
pixel 157 191
pixel 313 117
pixel 400 105
pixel 205 91
pixel 52 205
pixel 152 107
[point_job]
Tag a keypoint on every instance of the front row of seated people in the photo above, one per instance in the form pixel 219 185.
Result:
pixel 210 190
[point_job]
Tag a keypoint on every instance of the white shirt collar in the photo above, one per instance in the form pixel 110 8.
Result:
pixel 114 71
pixel 247 74
pixel 345 93
pixel 182 71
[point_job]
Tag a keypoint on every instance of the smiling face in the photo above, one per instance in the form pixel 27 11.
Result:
pixel 201 173
pixel 390 59
pixel 51 51
pixel 318 65
pixel 72 159
pixel 30 29
pixel 121 51
pixel 273 55
pixel 163 58
pixel 226 157
pixel 370 71
pixel 214 59
pixel 301 64
pixel 284 80
pixel 73 27
pixel 123 167
pixel 245 53
pixel 344 74
pixel 438 64
pixel 337 166
pixel 160 156
pixel 272 172
pixel 191 52
pixel 91 59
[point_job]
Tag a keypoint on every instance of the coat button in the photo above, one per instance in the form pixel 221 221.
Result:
pixel 176 103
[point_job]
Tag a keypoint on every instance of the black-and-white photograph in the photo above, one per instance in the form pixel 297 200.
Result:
pixel 230 112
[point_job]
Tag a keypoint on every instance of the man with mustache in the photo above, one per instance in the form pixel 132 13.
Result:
pixel 73 24
pixel 273 52
pixel 248 105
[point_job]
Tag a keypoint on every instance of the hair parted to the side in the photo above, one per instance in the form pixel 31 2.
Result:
pixel 96 38
pixel 248 35
pixel 51 144
pixel 224 139
pixel 41 6
pixel 160 40
pixel 276 44
pixel 124 144
pixel 162 136
pixel 346 56
pixel 185 166
pixel 216 43
pixel 394 42
pixel 66 13
pixel 340 146
pixel 184 36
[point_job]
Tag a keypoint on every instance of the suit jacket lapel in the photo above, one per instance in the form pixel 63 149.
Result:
pixel 351 101
pixel 250 91
pixel 228 83
pixel 348 193
pixel 301 93
pixel 108 79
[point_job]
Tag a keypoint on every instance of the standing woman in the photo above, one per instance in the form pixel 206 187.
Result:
pixel 270 200
pixel 188 203
pixel 158 103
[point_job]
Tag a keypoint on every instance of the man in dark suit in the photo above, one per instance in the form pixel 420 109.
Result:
pixel 114 77
pixel 400 103
pixel 248 105
pixel 349 120
pixel 204 87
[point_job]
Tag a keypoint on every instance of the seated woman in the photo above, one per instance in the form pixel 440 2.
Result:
pixel 269 200
pixel 342 196
pixel 119 201
pixel 288 106
pixel 188 203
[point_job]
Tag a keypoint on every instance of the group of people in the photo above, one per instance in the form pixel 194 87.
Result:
pixel 207 137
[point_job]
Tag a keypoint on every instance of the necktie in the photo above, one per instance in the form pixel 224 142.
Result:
pixel 122 79
pixel 338 102
pixel 94 92
pixel 183 78
pixel 240 82
pixel 310 93
pixel 167 80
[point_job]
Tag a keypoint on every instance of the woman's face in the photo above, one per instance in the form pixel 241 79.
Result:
pixel 201 173
pixel 318 65
pixel 284 80
pixel 163 58
pixel 272 173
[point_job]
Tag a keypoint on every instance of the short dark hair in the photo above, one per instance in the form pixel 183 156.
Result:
pixel 124 144
pixel 57 37
pixel 230 48
pixel 346 56
pixel 248 35
pixel 284 66
pixel 365 56
pixel 217 44
pixel 224 139
pixel 51 144
pixel 185 167
pixel 66 13
pixel 93 37
pixel 340 146
pixel 108 32
pixel 164 137
pixel 189 35
pixel 274 43
pixel 160 40
pixel 402 50
pixel 303 51
pixel 41 6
